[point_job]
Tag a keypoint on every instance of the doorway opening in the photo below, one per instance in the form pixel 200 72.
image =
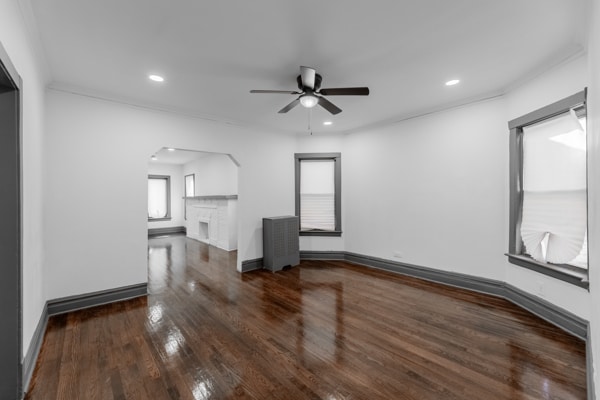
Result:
pixel 10 231
pixel 201 197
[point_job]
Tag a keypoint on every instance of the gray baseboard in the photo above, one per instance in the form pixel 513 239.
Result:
pixel 563 319
pixel 553 314
pixel 68 304
pixel 540 307
pixel 34 349
pixel 463 281
pixel 166 231
pixel 560 317
pixel 322 255
pixel 252 265
pixel 87 300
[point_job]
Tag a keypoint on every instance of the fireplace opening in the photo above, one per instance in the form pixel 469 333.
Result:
pixel 203 230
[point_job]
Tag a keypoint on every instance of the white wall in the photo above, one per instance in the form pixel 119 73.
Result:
pixel 214 174
pixel 176 173
pixel 555 84
pixel 96 231
pixel 232 224
pixel 433 189
pixel 22 52
pixel 594 183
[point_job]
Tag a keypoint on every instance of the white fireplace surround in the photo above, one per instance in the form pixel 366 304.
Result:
pixel 212 220
pixel 200 225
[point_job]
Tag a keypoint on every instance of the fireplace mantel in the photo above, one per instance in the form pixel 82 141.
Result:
pixel 213 197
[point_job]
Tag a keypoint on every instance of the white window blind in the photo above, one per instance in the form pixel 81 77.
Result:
pixel 157 197
pixel 317 195
pixel 554 213
pixel 189 186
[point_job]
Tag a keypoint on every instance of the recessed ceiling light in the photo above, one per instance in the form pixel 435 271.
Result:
pixel 156 78
pixel 153 158
pixel 452 82
pixel 327 123
pixel 171 149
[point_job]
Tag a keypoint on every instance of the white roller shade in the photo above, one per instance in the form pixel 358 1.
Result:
pixel 554 224
pixel 554 218
pixel 552 160
pixel 190 191
pixel 317 195
pixel 157 198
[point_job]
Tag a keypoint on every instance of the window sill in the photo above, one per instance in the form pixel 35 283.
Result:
pixel 566 273
pixel 159 219
pixel 320 233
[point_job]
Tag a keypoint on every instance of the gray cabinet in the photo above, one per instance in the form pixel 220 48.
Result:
pixel 281 243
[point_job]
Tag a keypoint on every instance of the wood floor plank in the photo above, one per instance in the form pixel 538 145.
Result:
pixel 323 330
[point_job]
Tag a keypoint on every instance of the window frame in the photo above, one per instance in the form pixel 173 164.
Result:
pixel 567 273
pixel 193 184
pixel 337 158
pixel 168 179
pixel 185 196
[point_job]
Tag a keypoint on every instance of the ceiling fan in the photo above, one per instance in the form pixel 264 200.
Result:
pixel 311 94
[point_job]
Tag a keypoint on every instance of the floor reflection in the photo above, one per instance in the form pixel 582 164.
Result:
pixel 202 390
pixel 155 315
pixel 329 331
pixel 316 307
pixel 533 373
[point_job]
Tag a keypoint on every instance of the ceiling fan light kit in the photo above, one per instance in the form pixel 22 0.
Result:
pixel 308 100
pixel 311 94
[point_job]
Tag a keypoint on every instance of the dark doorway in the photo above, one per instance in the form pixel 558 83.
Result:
pixel 10 231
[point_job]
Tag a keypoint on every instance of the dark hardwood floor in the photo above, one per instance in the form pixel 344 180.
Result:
pixel 322 330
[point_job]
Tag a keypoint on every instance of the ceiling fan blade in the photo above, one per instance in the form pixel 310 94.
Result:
pixel 349 91
pixel 289 106
pixel 308 77
pixel 329 106
pixel 275 91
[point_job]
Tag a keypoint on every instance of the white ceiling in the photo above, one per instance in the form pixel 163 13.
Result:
pixel 178 156
pixel 212 53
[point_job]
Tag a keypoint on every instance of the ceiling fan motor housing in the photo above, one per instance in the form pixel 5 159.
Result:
pixel 318 80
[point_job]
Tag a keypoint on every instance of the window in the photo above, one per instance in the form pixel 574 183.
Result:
pixel 548 190
pixel 159 197
pixel 318 193
pixel 190 185
pixel 190 191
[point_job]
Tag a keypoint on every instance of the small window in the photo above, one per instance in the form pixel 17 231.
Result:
pixel 159 197
pixel 190 191
pixel 318 193
pixel 548 176
pixel 190 185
